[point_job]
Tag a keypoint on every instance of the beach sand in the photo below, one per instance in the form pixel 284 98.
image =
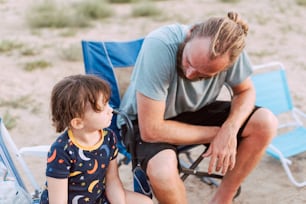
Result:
pixel 277 33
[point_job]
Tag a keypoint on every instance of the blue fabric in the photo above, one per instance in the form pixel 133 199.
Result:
pixel 272 91
pixel 290 144
pixel 101 58
pixel 141 184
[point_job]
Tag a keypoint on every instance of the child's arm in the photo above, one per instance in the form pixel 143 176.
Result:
pixel 114 188
pixel 57 190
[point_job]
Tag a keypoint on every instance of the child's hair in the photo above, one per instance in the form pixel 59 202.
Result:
pixel 72 94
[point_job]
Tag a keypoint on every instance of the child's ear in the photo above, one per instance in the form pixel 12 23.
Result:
pixel 77 123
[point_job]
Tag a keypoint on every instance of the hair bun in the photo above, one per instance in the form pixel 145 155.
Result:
pixel 234 16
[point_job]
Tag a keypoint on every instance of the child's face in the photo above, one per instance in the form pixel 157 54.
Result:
pixel 98 120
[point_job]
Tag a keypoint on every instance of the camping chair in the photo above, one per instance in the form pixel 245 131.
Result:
pixel 102 59
pixel 272 92
pixel 11 179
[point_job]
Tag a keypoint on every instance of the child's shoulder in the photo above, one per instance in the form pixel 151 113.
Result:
pixel 61 141
pixel 62 147
pixel 109 133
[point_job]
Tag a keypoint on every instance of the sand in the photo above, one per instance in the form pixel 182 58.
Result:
pixel 277 33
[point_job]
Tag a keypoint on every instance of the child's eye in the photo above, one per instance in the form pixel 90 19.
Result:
pixel 104 105
pixel 99 108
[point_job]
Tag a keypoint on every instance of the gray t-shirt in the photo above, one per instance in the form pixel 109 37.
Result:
pixel 155 76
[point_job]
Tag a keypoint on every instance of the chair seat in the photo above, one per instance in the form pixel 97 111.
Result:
pixel 290 143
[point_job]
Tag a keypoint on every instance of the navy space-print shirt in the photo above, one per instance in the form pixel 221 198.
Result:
pixel 85 167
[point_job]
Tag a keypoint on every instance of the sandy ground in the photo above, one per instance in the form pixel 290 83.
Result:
pixel 277 33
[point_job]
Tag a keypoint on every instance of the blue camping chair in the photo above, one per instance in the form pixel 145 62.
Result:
pixel 272 92
pixel 102 59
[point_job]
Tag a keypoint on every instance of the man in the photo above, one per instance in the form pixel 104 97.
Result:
pixel 178 75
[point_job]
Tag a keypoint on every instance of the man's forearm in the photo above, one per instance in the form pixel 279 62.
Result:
pixel 241 107
pixel 178 133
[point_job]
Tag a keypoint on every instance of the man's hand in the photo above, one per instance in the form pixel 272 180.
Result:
pixel 222 150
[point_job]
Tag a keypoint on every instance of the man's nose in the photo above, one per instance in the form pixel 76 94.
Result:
pixel 191 72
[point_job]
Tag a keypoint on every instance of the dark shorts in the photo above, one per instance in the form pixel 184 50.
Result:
pixel 213 114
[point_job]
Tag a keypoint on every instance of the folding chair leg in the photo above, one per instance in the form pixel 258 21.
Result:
pixel 285 163
pixel 192 170
pixel 290 176
pixel 206 178
pixel 210 181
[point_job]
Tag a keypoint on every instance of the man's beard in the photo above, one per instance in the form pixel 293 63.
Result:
pixel 179 67
pixel 179 58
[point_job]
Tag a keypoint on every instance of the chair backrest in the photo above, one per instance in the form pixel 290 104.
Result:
pixel 101 58
pixel 271 87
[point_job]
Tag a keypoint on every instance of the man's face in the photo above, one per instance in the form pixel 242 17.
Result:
pixel 195 63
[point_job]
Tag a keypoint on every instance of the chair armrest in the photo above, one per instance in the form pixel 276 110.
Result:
pixel 128 135
pixel 39 151
pixel 299 112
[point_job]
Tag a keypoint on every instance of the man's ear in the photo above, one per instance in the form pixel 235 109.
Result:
pixel 77 123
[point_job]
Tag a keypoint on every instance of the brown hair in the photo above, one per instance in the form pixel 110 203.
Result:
pixel 70 96
pixel 227 35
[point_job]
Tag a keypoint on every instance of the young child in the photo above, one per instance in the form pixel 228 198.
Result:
pixel 81 164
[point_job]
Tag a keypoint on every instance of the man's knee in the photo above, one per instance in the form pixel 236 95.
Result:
pixel 163 167
pixel 263 125
pixel 267 120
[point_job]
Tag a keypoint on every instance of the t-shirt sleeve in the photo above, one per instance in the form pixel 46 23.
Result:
pixel 241 70
pixel 58 162
pixel 154 69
